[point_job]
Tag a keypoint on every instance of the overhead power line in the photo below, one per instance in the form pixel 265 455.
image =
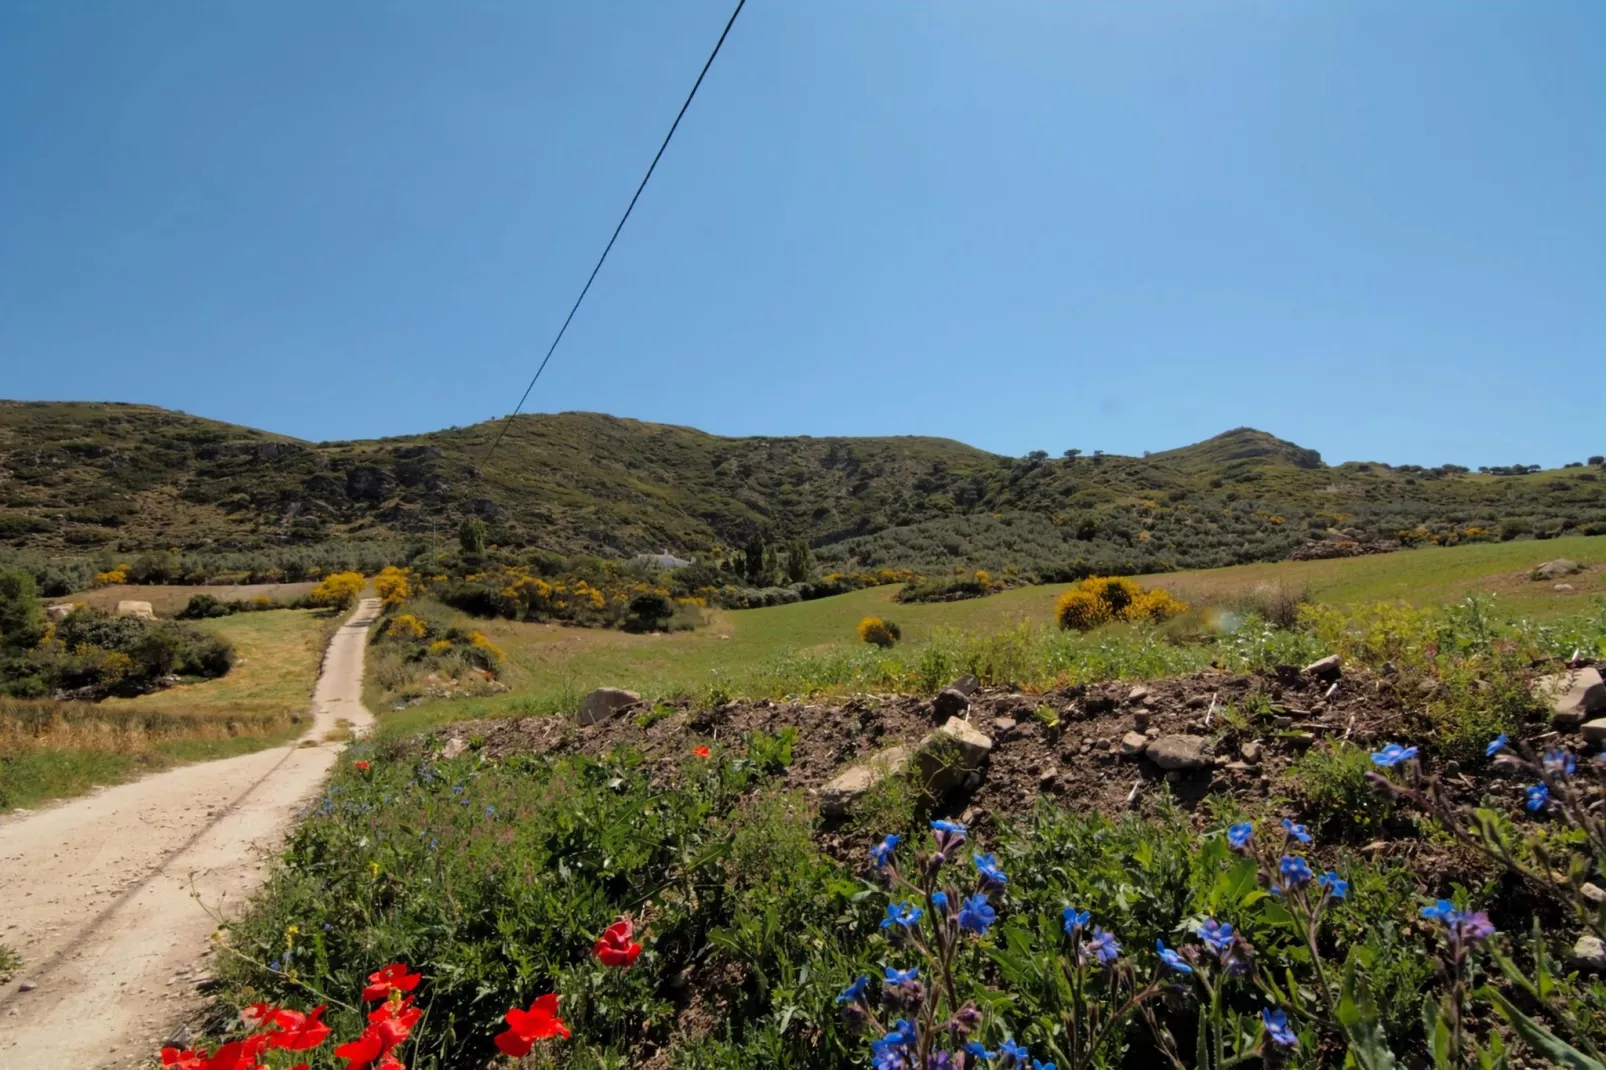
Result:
pixel 622 220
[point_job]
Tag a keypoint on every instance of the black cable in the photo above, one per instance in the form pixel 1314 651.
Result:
pixel 622 219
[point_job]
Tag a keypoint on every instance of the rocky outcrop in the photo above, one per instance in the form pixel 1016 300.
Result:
pixel 604 703
pixel 1573 696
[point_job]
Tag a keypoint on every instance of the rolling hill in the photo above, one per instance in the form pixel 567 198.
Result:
pixel 90 479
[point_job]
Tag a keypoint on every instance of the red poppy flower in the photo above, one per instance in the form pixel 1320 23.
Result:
pixel 236 1055
pixel 360 765
pixel 395 1019
pixel 524 1028
pixel 299 1032
pixel 371 1050
pixel 615 948
pixel 380 982
pixel 700 752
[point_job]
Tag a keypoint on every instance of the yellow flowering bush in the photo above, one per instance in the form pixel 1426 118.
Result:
pixel 882 633
pixel 112 577
pixel 1101 599
pixel 338 590
pixel 407 626
pixel 393 585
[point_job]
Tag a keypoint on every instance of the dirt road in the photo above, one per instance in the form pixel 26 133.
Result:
pixel 107 898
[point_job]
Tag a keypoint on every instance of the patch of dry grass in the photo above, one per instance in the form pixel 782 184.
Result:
pixel 166 600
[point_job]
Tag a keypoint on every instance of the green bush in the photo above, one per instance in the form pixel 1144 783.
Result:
pixel 1330 783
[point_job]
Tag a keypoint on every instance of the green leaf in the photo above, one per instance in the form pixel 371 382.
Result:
pixel 1202 1045
pixel 1537 1036
pixel 1357 1014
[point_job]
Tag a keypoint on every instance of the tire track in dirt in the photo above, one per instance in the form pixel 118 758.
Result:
pixel 111 897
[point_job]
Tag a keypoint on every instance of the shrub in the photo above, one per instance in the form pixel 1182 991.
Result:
pixel 406 626
pixel 393 585
pixel 878 632
pixel 112 577
pixel 1101 599
pixel 339 590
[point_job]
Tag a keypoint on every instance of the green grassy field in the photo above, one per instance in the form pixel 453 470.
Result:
pixel 550 667
pixel 167 600
pixel 57 750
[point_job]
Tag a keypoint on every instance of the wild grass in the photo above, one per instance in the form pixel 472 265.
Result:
pixel 54 750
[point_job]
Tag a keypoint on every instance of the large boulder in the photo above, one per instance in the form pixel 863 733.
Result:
pixel 1180 752
pixel 945 757
pixel 1555 570
pixel 1573 696
pixel 838 796
pixel 60 611
pixel 142 610
pixel 603 703
pixel 950 702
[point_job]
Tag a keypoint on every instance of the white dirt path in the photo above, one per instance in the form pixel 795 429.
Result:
pixel 99 894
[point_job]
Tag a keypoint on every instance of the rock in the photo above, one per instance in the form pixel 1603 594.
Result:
pixel 1590 953
pixel 1300 740
pixel 1134 744
pixel 1595 731
pixel 136 609
pixel 838 796
pixel 1097 704
pixel 1236 767
pixel 1427 687
pixel 1556 569
pixel 1328 668
pixel 26 986
pixel 966 685
pixel 1593 892
pixel 1251 752
pixel 1573 696
pixel 604 702
pixel 1048 779
pixel 1003 726
pixel 1139 694
pixel 950 702
pixel 1197 702
pixel 60 611
pixel 1180 752
pixel 1140 720
pixel 947 755
pixel 454 747
pixel 1152 732
pixel 1562 587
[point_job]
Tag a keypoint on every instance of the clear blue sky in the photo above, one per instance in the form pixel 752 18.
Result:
pixel 1376 227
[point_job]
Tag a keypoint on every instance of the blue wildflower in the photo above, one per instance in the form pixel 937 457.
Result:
pixel 1558 762
pixel 1496 745
pixel 1536 798
pixel 905 914
pixel 1218 934
pixel 1443 910
pixel 881 853
pixel 1103 946
pixel 854 993
pixel 1277 1028
pixel 1238 835
pixel 1473 928
pixel 1171 958
pixel 977 915
pixel 1298 832
pixel 274 966
pixel 939 902
pixel 979 1050
pixel 902 977
pixel 987 866
pixel 490 811
pixel 1043 1066
pixel 1295 871
pixel 1011 1050
pixel 1392 755
pixel 1075 919
pixel 953 828
pixel 1333 884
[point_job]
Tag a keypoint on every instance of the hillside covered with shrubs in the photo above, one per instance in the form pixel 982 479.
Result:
pixel 182 499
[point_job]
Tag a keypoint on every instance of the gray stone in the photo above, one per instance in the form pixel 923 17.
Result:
pixel 1593 892
pixel 1140 720
pixel 1595 731
pixel 1573 696
pixel 838 796
pixel 604 702
pixel 1590 953
pixel 1236 767
pixel 454 747
pixel 966 685
pixel 60 611
pixel 1329 668
pixel 1251 752
pixel 1048 779
pixel 1133 744
pixel 1561 587
pixel 1180 752
pixel 950 702
pixel 1552 570
pixel 947 755
pixel 26 986
pixel 1139 694
pixel 1004 726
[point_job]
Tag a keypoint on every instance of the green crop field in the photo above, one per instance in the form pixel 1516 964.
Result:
pixel 550 667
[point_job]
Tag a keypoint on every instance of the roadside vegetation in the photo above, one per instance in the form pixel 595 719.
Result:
pixel 51 749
